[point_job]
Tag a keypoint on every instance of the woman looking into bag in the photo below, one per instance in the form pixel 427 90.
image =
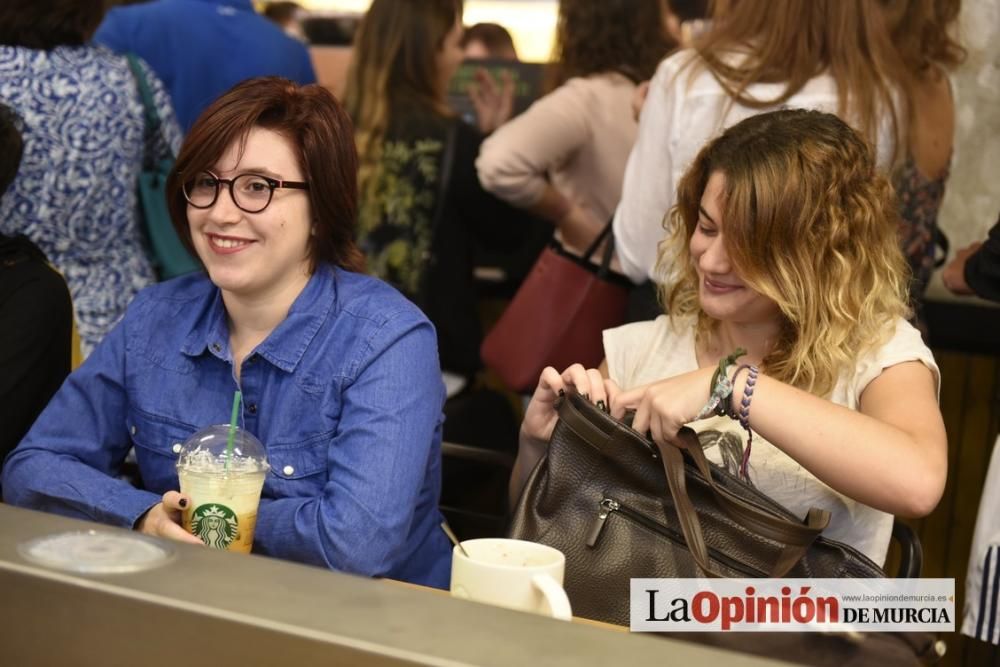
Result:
pixel 789 252
pixel 563 159
pixel 338 372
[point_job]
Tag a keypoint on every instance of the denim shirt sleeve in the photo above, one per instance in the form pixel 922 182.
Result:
pixel 390 426
pixel 68 462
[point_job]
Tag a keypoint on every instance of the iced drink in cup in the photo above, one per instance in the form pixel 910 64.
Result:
pixel 223 484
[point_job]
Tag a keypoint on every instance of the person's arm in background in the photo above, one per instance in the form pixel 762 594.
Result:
pixel 494 104
pixel 648 188
pixel 68 461
pixel 515 160
pixel 377 460
pixel 976 269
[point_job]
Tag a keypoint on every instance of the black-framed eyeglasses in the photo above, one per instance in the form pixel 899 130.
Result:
pixel 250 192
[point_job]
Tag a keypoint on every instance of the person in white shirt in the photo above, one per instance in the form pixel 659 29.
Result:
pixel 759 55
pixel 563 159
pixel 786 234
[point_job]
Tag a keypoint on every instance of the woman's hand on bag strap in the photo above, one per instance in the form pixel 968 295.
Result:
pixel 664 407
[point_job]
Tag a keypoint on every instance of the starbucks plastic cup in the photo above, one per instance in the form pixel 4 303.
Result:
pixel 223 485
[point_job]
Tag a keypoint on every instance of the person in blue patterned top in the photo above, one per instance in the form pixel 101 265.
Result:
pixel 75 195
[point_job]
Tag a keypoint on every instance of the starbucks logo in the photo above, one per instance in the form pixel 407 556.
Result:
pixel 216 525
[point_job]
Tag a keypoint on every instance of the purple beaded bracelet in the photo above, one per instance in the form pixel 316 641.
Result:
pixel 744 413
pixel 747 397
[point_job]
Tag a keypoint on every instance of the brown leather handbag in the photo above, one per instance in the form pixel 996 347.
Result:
pixel 619 506
pixel 558 315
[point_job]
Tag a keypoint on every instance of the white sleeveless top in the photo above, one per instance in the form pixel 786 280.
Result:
pixel 644 352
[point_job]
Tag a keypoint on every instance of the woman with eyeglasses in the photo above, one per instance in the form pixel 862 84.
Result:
pixel 339 372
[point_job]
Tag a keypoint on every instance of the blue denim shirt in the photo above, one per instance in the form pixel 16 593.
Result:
pixel 345 394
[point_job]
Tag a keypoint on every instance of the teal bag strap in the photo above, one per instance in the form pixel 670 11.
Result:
pixel 153 121
pixel 169 256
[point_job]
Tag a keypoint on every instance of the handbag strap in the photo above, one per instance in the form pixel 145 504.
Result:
pixel 609 250
pixel 797 537
pixel 150 114
pixel 148 107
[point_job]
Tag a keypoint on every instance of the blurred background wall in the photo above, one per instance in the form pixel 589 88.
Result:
pixel 531 22
pixel 972 200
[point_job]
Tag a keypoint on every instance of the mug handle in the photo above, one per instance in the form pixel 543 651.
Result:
pixel 555 596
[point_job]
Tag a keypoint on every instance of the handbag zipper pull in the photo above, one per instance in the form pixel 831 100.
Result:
pixel 607 507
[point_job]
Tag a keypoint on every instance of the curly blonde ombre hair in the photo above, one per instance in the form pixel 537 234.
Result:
pixel 809 223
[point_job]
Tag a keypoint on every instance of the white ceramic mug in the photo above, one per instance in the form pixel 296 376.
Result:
pixel 513 574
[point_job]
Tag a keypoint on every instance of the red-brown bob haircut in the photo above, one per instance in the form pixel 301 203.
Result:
pixel 322 137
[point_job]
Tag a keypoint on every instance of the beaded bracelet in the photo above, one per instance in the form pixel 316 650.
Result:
pixel 744 412
pixel 721 388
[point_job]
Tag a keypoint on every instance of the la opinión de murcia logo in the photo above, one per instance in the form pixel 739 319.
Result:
pixel 792 605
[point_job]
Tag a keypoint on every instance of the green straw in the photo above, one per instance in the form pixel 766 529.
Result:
pixel 237 397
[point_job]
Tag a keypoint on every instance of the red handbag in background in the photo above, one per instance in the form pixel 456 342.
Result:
pixel 558 315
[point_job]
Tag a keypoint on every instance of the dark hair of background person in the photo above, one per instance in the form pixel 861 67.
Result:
pixel 395 68
pixel 688 10
pixel 11 147
pixel 281 12
pixel 493 36
pixel 330 30
pixel 46 24
pixel 322 137
pixel 395 56
pixel 625 36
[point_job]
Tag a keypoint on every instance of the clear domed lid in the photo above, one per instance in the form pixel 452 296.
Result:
pixel 206 451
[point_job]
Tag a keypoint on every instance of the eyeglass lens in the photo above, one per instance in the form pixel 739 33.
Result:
pixel 250 192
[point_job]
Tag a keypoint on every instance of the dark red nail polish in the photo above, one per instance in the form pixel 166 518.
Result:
pixel 183 502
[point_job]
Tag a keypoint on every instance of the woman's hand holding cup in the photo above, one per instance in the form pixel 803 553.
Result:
pixel 164 519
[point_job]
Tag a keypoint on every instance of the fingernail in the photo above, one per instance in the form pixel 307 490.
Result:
pixel 601 406
pixel 183 502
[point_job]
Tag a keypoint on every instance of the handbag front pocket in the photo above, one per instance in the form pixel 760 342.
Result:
pixel 609 507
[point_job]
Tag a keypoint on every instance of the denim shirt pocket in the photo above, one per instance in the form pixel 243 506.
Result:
pixel 298 470
pixel 157 441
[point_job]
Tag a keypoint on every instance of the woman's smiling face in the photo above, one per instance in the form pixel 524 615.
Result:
pixel 255 254
pixel 722 293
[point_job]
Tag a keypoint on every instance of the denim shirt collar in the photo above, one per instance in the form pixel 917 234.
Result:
pixel 286 345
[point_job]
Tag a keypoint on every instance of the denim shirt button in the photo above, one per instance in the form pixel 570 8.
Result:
pixel 252 408
pixel 216 347
pixel 132 430
pixel 177 448
pixel 288 470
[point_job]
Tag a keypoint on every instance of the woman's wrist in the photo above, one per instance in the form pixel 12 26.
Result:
pixel 561 209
